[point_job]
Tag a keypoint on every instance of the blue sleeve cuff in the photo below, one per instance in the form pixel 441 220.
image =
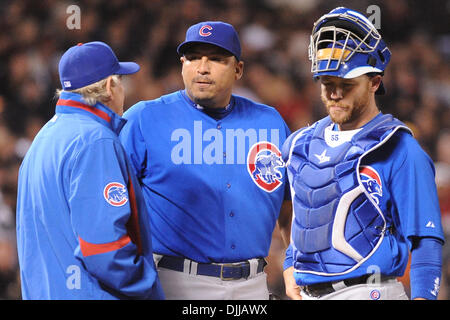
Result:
pixel 426 263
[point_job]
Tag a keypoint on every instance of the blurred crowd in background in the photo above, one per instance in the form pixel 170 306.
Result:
pixel 275 37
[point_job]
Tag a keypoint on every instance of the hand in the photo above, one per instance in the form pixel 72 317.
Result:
pixel 292 289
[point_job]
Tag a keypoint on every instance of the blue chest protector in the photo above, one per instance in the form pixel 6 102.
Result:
pixel 337 225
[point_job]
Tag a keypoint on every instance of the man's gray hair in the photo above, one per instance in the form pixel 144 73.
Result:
pixel 93 93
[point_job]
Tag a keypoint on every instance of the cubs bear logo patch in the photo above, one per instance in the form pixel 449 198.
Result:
pixel 115 194
pixel 263 164
pixel 372 182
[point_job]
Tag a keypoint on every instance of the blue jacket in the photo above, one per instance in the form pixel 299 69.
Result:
pixel 82 226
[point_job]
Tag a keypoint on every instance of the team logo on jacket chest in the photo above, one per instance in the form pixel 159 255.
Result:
pixel 372 182
pixel 263 163
pixel 115 194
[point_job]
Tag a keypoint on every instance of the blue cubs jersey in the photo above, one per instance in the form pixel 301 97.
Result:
pixel 214 187
pixel 359 197
pixel 82 225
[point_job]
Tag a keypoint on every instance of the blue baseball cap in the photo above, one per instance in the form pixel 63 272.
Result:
pixel 87 63
pixel 216 33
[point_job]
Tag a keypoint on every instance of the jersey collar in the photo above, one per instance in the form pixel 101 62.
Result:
pixel 70 102
pixel 216 113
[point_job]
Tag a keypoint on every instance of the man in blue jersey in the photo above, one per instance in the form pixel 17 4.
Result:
pixel 363 190
pixel 82 225
pixel 210 166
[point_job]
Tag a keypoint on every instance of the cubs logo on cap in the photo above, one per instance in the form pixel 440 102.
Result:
pixel 204 33
pixel 263 161
pixel 217 33
pixel 115 194
pixel 372 182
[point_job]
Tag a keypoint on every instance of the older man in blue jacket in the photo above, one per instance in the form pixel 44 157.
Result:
pixel 82 226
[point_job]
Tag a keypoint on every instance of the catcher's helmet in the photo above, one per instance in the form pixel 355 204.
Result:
pixel 345 44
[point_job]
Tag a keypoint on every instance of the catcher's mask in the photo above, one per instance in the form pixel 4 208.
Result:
pixel 345 44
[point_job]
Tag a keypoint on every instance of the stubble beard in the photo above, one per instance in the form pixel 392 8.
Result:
pixel 349 113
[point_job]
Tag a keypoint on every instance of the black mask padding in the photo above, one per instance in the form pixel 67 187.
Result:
pixel 343 24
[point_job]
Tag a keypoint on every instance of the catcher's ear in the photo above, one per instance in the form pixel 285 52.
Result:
pixel 375 82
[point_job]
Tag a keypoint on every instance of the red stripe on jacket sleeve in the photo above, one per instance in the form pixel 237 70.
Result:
pixel 133 223
pixel 89 249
